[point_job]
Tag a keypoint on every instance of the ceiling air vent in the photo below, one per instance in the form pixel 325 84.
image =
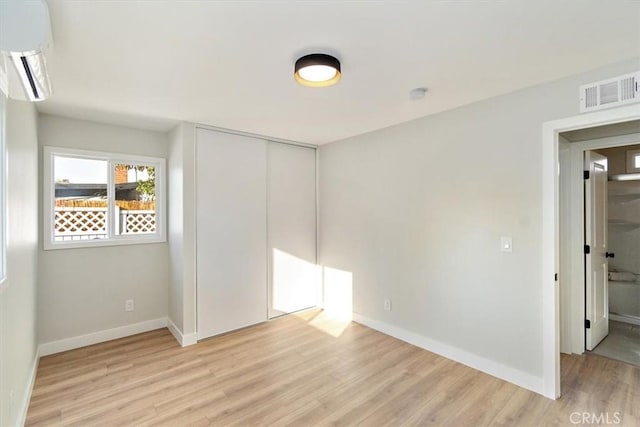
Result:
pixel 608 93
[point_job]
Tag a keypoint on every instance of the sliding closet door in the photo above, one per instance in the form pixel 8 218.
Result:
pixel 231 232
pixel 294 278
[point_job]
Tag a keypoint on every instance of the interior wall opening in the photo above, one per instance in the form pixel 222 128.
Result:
pixel 617 143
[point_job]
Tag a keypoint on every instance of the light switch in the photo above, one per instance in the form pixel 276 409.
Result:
pixel 506 244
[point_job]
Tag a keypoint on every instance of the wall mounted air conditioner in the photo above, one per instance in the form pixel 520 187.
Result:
pixel 621 90
pixel 25 37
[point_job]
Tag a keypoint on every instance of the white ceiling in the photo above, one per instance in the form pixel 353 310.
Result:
pixel 230 63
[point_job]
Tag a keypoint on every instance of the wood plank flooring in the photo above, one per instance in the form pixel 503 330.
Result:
pixel 304 370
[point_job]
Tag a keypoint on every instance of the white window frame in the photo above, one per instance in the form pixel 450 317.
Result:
pixel 112 159
pixel 631 161
pixel 4 212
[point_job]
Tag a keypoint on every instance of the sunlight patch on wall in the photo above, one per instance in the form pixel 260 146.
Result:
pixel 338 293
pixel 299 284
pixel 296 282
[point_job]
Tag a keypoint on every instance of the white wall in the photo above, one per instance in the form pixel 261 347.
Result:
pixel 182 228
pixel 18 340
pixel 416 212
pixel 82 291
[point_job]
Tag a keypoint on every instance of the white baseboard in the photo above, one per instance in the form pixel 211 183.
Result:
pixel 183 340
pixel 26 398
pixel 507 373
pixel 626 319
pixel 53 347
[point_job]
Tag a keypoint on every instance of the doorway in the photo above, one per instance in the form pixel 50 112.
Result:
pixel 562 267
pixel 573 261
pixel 623 206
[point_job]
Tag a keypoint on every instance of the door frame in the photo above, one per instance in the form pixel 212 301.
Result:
pixel 551 229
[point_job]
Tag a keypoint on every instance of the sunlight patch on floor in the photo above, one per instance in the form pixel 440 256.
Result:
pixel 337 302
pixel 324 322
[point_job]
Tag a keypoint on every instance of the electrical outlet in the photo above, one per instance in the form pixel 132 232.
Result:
pixel 387 304
pixel 128 305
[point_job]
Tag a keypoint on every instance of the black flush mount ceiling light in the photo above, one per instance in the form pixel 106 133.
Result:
pixel 317 70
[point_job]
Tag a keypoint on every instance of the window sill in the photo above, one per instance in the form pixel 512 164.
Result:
pixel 85 244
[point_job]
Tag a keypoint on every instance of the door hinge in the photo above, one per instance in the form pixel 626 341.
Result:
pixel 585 175
pixel 587 249
pixel 587 324
pixel 555 277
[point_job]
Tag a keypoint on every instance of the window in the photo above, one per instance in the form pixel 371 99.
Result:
pixel 3 192
pixel 633 161
pixel 102 199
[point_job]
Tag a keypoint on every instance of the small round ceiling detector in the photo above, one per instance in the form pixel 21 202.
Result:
pixel 317 70
pixel 417 93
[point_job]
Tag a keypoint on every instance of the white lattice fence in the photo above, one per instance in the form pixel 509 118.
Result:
pixel 135 222
pixel 80 223
pixel 91 223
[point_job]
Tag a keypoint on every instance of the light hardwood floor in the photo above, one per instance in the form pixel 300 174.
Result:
pixel 305 370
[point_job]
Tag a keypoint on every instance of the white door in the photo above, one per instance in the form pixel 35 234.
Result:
pixel 231 232
pixel 294 277
pixel 597 299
